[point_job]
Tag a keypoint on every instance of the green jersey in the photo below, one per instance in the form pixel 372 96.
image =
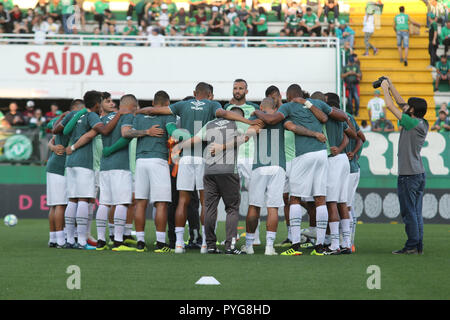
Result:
pixel 52 8
pixel 354 166
pixel 7 4
pixel 351 79
pixel 152 147
pixel 118 160
pixel 293 21
pixel 171 8
pixel 401 22
pixel 269 146
pixel 443 67
pixel 299 115
pixel 261 27
pixel 238 30
pixel 335 132
pixel 97 144
pixel 66 6
pixel 246 150
pixel 100 6
pixel 82 157
pixel 140 7
pixel 311 20
pixel 56 163
pixel 134 30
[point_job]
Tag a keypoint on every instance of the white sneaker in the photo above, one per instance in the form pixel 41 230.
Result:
pixel 179 249
pixel 270 251
pixel 247 250
pixel 204 249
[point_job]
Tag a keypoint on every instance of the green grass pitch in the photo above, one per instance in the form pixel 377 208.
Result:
pixel 31 270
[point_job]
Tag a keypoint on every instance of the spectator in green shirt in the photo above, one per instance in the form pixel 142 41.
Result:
pixel 216 24
pixel 55 9
pixel 445 36
pixel 7 4
pixel 99 11
pixel 442 124
pixel 130 29
pixel 139 8
pixel 238 28
pixel 261 23
pixel 352 75
pixel 442 70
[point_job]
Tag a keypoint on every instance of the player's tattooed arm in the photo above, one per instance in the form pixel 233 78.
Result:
pixel 106 129
pixel 229 115
pixel 273 118
pixel 358 146
pixel 351 132
pixel 319 114
pixel 154 131
pixel 84 139
pixel 154 110
pixel 302 131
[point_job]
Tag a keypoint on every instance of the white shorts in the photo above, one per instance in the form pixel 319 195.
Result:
pixel 353 181
pixel 190 173
pixel 266 187
pixel 308 176
pixel 244 167
pixel 153 180
pixel 116 187
pixel 286 180
pixel 56 190
pixel 80 182
pixel 337 181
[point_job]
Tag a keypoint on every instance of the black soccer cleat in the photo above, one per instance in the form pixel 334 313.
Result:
pixel 141 247
pixel 193 245
pixel 52 245
pixel 234 251
pixel 406 251
pixel 101 245
pixel 214 251
pixel 346 250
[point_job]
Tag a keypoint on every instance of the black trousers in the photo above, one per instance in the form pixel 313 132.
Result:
pixel 432 49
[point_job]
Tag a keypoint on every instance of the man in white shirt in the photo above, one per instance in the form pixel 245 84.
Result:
pixel 155 39
pixel 376 107
pixel 164 16
pixel 368 29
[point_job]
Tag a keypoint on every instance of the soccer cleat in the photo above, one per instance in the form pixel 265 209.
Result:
pixel 91 241
pixel 204 249
pixel 247 250
pixel 291 252
pixel 406 251
pixel 141 247
pixel 331 252
pixel 318 250
pixel 68 245
pixel 346 250
pixel 162 248
pixel 270 251
pixel 285 243
pixel 179 249
pixel 101 245
pixel 234 252
pixel 129 240
pixel 213 251
pixel 192 245
pixel 52 245
pixel 123 248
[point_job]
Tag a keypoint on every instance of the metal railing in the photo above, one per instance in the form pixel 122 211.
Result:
pixel 169 41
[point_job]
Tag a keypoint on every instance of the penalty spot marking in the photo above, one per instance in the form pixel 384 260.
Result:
pixel 208 281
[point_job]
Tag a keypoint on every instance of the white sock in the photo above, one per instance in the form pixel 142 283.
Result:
pixel 69 218
pixel 179 232
pixel 128 228
pixel 249 238
pixel 346 233
pixel 52 238
pixel 60 238
pixel 327 240
pixel 90 218
pixel 102 221
pixel 321 223
pixel 140 236
pixel 82 221
pixel 295 220
pixel 120 217
pixel 204 237
pixel 334 233
pixel 161 237
pixel 257 232
pixel 270 238
pixel 289 233
pixel 355 222
pixel 111 229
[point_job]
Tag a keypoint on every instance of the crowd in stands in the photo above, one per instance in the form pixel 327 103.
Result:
pixel 204 18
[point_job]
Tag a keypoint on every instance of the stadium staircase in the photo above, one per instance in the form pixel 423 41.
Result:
pixel 413 80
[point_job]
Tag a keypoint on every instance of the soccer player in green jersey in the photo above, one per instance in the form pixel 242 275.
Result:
pixel 309 167
pixel 267 179
pixel 80 175
pixel 194 114
pixel 56 181
pixel 246 150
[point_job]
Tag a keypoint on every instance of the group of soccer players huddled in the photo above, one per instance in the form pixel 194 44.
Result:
pixel 302 153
